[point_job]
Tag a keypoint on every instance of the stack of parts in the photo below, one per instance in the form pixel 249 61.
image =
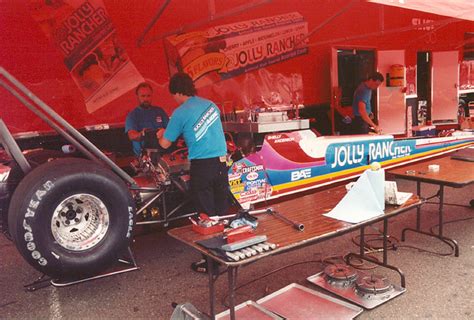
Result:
pixel 248 250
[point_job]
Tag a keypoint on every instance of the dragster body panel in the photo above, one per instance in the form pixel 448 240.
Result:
pixel 297 161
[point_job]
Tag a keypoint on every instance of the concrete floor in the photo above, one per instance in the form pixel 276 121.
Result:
pixel 438 287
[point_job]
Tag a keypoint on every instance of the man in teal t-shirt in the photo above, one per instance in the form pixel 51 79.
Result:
pixel 198 120
pixel 361 107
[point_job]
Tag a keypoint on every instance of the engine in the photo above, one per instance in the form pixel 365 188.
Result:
pixel 163 174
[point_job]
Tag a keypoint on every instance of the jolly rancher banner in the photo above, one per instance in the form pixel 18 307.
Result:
pixel 84 34
pixel 225 51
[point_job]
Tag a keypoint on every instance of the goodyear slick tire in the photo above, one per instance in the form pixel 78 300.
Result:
pixel 71 218
pixel 35 158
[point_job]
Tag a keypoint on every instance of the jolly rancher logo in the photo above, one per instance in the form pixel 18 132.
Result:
pixel 349 154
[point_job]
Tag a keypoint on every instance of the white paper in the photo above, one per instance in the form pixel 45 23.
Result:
pixel 393 196
pixel 365 200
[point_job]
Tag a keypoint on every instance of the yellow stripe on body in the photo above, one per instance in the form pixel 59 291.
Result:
pixel 292 184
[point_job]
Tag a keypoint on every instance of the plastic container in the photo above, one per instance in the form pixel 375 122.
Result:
pixel 208 230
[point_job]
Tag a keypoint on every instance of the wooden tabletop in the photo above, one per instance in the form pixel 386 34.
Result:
pixel 452 172
pixel 309 210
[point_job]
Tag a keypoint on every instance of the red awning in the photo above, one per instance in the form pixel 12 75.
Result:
pixel 462 9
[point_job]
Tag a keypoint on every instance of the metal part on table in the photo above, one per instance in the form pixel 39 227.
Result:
pixel 298 226
pixel 365 290
pixel 244 243
pixel 297 302
pixel 251 250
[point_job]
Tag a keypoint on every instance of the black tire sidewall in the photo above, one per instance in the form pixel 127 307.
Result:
pixel 43 190
pixel 34 158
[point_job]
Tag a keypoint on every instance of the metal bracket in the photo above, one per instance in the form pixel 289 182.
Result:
pixel 129 262
pixel 43 281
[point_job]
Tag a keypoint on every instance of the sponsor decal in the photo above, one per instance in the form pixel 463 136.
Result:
pixel 300 174
pixel 423 22
pixel 274 137
pixel 252 169
pixel 280 138
pixel 234 176
pixel 351 154
pixel 252 176
pixel 235 182
pixel 237 167
pixel 249 196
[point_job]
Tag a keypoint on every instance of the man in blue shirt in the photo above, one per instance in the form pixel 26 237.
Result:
pixel 198 120
pixel 144 117
pixel 361 104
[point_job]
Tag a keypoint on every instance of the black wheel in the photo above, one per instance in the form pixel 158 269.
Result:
pixel 34 158
pixel 471 203
pixel 71 217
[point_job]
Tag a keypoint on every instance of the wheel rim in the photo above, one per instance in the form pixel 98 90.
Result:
pixel 80 222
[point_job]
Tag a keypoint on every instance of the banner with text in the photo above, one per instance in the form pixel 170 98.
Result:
pixel 225 51
pixel 84 34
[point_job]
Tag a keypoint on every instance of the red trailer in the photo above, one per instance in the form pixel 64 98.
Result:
pixel 84 59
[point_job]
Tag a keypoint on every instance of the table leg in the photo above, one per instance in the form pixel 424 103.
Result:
pixel 418 209
pixel 212 279
pixel 453 244
pixel 385 241
pixel 440 210
pixel 440 194
pixel 418 213
pixel 232 277
pixel 384 263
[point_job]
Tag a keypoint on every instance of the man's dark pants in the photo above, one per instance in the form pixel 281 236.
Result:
pixel 360 126
pixel 209 186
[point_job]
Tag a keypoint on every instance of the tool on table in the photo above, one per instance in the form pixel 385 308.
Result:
pixel 298 226
pixel 206 225
pixel 246 214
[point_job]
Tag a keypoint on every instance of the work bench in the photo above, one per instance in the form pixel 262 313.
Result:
pixel 308 210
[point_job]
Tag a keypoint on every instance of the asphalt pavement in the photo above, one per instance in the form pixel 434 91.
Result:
pixel 438 286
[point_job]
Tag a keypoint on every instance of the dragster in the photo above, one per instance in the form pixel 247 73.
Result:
pixel 293 162
pixel 73 215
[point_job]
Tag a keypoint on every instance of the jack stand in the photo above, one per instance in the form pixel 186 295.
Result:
pixel 43 281
pixel 131 262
